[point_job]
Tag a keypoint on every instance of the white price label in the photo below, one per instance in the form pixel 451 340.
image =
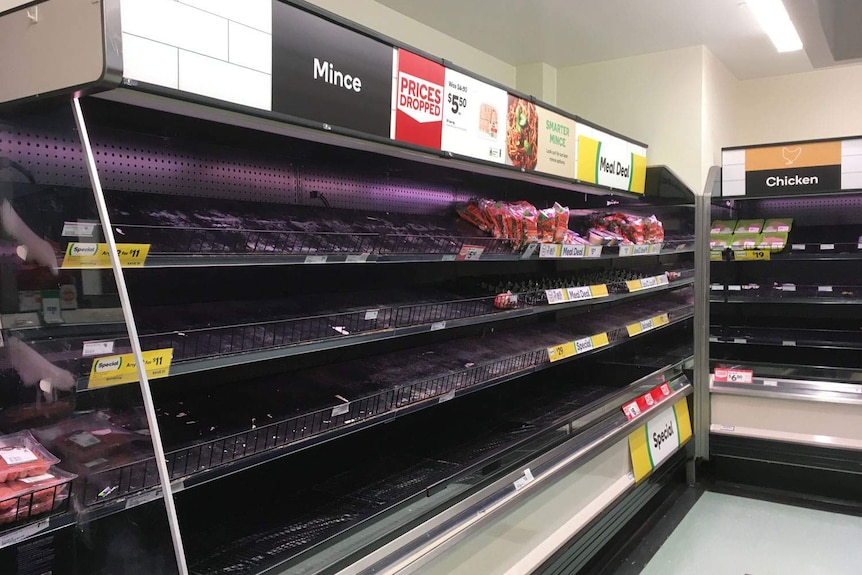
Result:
pixel 315 259
pixel 448 397
pixel 716 287
pixel 626 251
pixel 641 250
pixel 524 481
pixel 662 280
pixel 788 287
pixel 24 533
pixel 357 259
pixel 713 339
pixel 37 478
pixel 51 311
pixel 647 283
pixel 583 345
pixel 92 348
pixel 78 230
pixel 555 296
pixel 740 340
pixel 655 249
pixel 824 289
pixel 84 439
pixel 340 409
pixel 646 325
pixel 734 288
pixel 579 293
pixel 770 383
pixel 593 252
pixel 549 251
pixel 788 343
pixel 450 257
pixel 528 253
pixel 827 247
pixel 17 455
pixel 572 251
pixel 371 314
pixel 798 247
pixel 438 326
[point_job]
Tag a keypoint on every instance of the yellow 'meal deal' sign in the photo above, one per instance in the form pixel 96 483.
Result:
pixel 120 369
pixel 658 439
pixel 610 161
pixel 97 256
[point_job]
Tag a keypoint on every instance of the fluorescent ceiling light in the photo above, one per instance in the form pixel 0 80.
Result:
pixel 775 21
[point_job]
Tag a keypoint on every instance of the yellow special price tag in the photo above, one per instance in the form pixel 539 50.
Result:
pixel 634 329
pixel 660 320
pixel 751 255
pixel 600 340
pixel 659 438
pixel 634 285
pixel 600 290
pixel 97 256
pixel 714 256
pixel 120 369
pixel 561 351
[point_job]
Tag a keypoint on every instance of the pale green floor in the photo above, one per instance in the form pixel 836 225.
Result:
pixel 727 535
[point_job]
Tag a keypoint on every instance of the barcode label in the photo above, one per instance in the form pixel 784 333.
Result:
pixel 371 314
pixel 17 455
pixel 340 409
pixel 92 348
pixel 315 259
pixel 37 478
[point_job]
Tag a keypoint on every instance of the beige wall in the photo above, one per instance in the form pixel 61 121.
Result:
pixel 539 80
pixel 821 104
pixel 654 98
pixel 391 23
pixel 719 111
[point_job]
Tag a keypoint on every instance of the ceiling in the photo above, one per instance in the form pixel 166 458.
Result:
pixel 573 32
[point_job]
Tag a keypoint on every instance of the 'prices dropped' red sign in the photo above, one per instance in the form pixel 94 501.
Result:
pixel 419 100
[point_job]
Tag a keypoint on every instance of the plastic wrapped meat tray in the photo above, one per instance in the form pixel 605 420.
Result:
pixel 22 456
pixel 29 496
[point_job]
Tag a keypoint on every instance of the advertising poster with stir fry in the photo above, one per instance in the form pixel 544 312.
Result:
pixel 418 100
pixel 556 144
pixel 522 134
pixel 474 118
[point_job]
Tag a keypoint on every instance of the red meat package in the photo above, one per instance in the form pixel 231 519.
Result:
pixel 547 225
pixel 561 223
pixel 28 496
pixel 529 215
pixel 90 442
pixel 473 214
pixel 22 456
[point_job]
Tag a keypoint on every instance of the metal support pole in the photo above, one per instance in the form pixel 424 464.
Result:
pixel 702 221
pixel 149 407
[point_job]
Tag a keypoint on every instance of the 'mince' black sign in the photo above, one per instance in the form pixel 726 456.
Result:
pixel 327 73
pixel 793 181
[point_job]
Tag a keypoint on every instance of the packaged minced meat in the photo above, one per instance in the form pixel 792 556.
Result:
pixel 777 225
pixel 22 456
pixel 547 225
pixel 721 227
pixel 745 241
pixel 749 227
pixel 720 241
pixel 28 496
pixel 91 442
pixel 774 241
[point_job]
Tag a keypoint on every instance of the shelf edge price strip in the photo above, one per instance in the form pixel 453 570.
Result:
pixel 572 294
pixel 630 250
pixel 647 283
pixel 96 256
pixel 733 375
pixel 751 255
pixel 572 348
pixel 647 401
pixel 647 324
pixel 120 369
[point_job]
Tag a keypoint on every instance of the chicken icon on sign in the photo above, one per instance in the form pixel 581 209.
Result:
pixel 790 155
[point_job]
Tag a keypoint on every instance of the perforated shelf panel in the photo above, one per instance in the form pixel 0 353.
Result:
pixel 54 158
pixel 813 211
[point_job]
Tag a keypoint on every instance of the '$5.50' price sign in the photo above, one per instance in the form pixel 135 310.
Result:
pixel 457 102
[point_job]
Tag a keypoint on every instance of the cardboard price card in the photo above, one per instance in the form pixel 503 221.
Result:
pixel 97 256
pixel 659 438
pixel 120 369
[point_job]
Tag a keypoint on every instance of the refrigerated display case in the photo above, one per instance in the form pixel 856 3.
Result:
pixel 785 322
pixel 265 344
